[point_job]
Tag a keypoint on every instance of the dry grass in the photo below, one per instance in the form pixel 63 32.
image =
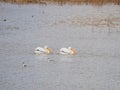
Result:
pixel 94 2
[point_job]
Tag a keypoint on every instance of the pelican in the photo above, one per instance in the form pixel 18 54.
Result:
pixel 43 50
pixel 67 51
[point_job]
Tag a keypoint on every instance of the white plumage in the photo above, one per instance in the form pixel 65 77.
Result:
pixel 67 51
pixel 43 50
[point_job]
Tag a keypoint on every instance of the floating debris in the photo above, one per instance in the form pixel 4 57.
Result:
pixel 24 65
pixel 4 20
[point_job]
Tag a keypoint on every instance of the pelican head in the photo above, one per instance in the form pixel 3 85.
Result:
pixel 45 46
pixel 48 50
pixel 69 48
pixel 73 51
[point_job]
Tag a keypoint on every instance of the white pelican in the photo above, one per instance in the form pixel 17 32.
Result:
pixel 67 51
pixel 41 50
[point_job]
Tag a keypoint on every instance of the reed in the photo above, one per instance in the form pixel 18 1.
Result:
pixel 94 2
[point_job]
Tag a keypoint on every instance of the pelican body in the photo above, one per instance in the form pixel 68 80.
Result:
pixel 43 50
pixel 67 51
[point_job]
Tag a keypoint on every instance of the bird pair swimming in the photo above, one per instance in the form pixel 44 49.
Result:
pixel 47 50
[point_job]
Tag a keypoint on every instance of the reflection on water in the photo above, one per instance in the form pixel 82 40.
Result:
pixel 67 58
pixel 55 58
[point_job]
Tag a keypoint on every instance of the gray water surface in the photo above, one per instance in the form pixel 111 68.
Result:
pixel 95 67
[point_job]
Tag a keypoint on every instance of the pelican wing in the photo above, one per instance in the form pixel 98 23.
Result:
pixel 64 51
pixel 40 49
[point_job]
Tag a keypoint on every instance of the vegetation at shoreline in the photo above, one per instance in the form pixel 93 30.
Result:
pixel 94 2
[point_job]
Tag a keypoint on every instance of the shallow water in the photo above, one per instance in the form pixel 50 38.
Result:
pixel 95 67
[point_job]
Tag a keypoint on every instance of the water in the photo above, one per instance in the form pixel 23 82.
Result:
pixel 95 67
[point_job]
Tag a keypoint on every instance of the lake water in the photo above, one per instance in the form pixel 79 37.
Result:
pixel 93 31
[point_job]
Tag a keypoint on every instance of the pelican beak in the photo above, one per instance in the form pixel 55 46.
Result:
pixel 74 51
pixel 49 50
